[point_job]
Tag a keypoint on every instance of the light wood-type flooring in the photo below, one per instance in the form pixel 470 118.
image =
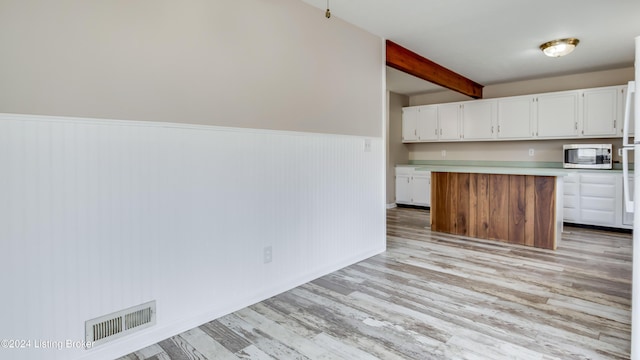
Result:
pixel 438 296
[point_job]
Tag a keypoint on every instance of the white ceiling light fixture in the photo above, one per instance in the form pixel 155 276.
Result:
pixel 560 47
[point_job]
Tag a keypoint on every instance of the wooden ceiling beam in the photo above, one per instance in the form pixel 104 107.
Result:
pixel 411 63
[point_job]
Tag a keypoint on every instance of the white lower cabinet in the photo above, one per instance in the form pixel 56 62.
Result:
pixel 592 198
pixel 413 187
pixel 421 188
pixel 403 188
pixel 598 200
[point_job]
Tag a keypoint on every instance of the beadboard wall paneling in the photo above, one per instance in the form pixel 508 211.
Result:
pixel 97 216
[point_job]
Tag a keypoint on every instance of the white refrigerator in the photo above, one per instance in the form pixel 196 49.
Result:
pixel 632 115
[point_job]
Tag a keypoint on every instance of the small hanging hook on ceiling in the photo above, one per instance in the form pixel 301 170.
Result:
pixel 328 12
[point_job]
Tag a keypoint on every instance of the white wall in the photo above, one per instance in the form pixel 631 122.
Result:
pixel 397 152
pixel 100 215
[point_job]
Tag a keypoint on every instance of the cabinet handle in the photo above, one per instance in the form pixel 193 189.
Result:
pixel 576 126
pixel 436 132
pixel 614 124
pixel 492 129
pixel 440 131
pixel 415 131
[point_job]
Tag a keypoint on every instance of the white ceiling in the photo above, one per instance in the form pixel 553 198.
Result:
pixel 496 41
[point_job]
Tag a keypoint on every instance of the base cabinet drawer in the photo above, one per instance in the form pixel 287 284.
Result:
pixel 598 203
pixel 598 217
pixel 598 190
pixel 570 215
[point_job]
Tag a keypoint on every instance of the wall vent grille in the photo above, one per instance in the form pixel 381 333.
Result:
pixel 120 323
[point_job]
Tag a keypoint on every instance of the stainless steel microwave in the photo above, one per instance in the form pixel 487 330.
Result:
pixel 587 156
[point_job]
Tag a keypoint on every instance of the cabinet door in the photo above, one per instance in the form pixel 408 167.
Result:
pixel 479 120
pixel 598 200
pixel 427 123
pixel 557 115
pixel 600 111
pixel 421 188
pixel 515 117
pixel 403 189
pixel 448 121
pixel 409 124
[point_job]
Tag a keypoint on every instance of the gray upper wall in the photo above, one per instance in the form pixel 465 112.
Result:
pixel 533 86
pixel 277 64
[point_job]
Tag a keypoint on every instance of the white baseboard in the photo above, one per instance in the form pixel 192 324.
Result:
pixel 391 206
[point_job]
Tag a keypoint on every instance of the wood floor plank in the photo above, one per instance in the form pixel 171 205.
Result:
pixel 439 296
pixel 206 345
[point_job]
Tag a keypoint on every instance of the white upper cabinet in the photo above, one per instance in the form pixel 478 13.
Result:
pixel 427 123
pixel 479 119
pixel 409 124
pixel 515 117
pixel 600 112
pixel 587 113
pixel 557 114
pixel 449 121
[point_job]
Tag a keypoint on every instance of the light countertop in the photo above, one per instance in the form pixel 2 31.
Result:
pixel 494 170
pixel 511 168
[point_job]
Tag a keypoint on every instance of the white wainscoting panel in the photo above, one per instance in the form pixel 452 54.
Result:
pixel 101 215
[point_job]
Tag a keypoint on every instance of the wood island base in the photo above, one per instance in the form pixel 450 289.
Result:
pixel 517 209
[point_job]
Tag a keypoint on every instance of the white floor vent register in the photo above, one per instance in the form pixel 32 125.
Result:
pixel 118 324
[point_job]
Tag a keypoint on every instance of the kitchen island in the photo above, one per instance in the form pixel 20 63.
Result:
pixel 514 205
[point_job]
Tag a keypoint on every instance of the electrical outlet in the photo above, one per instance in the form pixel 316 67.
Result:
pixel 367 145
pixel 444 153
pixel 268 254
pixel 531 152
